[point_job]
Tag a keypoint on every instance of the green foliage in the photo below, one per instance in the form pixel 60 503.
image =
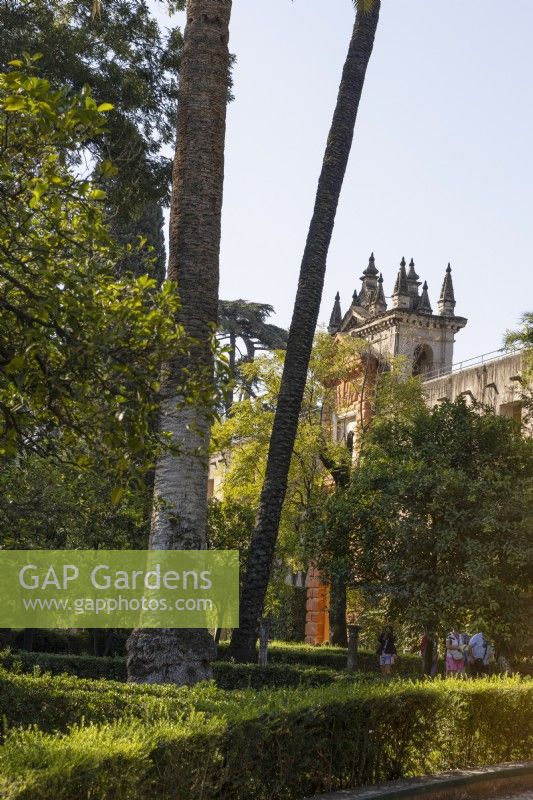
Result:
pixel 204 742
pixel 289 665
pixel 243 328
pixel 131 66
pixel 524 338
pixel 99 695
pixel 436 523
pixel 244 436
pixel 288 624
pixel 29 675
pixel 46 505
pixel 79 349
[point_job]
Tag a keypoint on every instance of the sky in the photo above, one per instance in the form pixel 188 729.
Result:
pixel 441 167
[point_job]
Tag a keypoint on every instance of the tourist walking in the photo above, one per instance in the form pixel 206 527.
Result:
pixel 482 653
pixel 455 655
pixel 386 650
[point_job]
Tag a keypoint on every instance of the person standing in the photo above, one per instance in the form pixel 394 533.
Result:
pixel 479 648
pixel 386 650
pixel 455 656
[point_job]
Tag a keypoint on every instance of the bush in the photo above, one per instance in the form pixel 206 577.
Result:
pixel 227 676
pixel 329 657
pixel 83 666
pixel 55 703
pixel 288 622
pixel 271 745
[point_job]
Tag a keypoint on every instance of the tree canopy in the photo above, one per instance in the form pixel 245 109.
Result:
pixel 436 523
pixel 79 349
pixel 244 330
pixel 243 437
pixel 128 61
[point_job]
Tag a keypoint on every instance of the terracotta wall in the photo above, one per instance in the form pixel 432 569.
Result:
pixel 317 617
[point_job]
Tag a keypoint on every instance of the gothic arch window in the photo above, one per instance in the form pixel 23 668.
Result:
pixel 422 359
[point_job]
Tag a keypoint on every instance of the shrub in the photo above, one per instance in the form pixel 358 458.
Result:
pixel 329 657
pixel 226 674
pixel 275 745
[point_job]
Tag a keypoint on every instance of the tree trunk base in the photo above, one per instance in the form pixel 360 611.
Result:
pixel 163 655
pixel 242 647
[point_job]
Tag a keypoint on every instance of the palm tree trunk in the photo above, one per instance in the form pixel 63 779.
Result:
pixel 164 655
pixel 302 330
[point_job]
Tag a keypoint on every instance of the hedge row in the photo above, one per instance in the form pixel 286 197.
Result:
pixel 285 666
pixel 275 745
pixel 226 674
pixel 328 657
pixel 68 643
pixel 60 701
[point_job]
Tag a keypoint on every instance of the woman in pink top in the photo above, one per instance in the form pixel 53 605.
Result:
pixel 455 656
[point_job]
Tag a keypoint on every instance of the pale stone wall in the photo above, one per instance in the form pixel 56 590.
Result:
pixel 217 473
pixel 495 383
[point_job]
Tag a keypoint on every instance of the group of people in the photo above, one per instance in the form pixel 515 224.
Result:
pixel 465 655
pixel 468 654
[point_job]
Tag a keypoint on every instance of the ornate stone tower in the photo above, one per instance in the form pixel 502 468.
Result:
pixel 409 327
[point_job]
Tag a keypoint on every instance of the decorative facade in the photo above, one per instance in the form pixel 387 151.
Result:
pixel 408 327
pixel 405 326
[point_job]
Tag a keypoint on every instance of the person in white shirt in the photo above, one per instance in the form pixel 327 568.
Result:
pixel 479 648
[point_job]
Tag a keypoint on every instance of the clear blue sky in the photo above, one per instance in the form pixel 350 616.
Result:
pixel 441 169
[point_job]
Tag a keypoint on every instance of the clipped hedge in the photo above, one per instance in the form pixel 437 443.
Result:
pixel 279 653
pixel 83 666
pixel 226 674
pixel 273 745
pixel 325 656
pixel 329 657
pixel 56 702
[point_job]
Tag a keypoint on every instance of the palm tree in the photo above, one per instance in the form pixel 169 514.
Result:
pixel 184 656
pixel 302 330
pixel 240 320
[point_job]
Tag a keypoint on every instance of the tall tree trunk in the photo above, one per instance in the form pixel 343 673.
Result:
pixel 337 613
pixel 165 655
pixel 302 330
pixel 427 656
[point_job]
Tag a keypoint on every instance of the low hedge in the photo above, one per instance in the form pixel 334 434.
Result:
pixel 83 666
pixel 227 675
pixel 328 656
pixel 57 702
pixel 325 656
pixel 282 656
pixel 271 745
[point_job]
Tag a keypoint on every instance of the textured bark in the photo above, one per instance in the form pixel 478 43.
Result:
pixel 302 330
pixel 337 613
pixel 427 656
pixel 183 656
pixel 353 646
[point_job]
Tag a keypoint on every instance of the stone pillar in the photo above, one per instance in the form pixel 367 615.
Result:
pixel 317 606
